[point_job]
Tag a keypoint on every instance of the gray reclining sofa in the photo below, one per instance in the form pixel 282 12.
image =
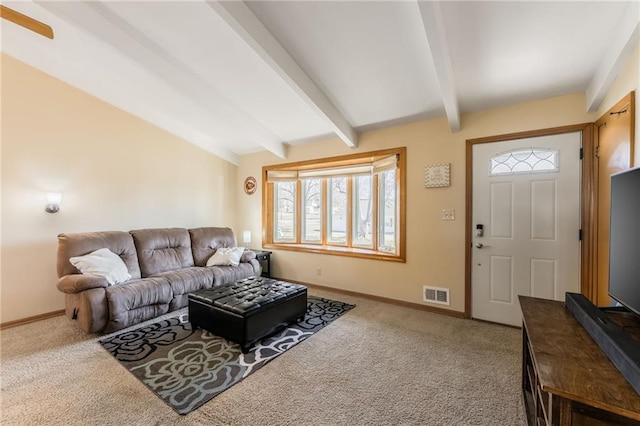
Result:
pixel 165 265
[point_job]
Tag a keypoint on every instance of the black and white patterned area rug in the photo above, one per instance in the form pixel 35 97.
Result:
pixel 187 368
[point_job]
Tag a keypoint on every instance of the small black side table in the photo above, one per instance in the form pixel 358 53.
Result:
pixel 264 257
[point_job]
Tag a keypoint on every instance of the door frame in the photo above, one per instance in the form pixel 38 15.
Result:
pixel 587 202
pixel 628 101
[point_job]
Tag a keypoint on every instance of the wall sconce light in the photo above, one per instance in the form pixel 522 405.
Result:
pixel 246 237
pixel 53 202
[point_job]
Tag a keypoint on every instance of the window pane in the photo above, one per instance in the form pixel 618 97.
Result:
pixel 311 210
pixel 362 211
pixel 530 160
pixel 337 210
pixel 387 208
pixel 285 212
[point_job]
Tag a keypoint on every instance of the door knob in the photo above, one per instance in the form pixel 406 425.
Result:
pixel 479 245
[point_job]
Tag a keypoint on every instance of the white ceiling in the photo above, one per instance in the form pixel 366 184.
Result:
pixel 236 77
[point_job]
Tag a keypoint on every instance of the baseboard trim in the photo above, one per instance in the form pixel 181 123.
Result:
pixel 28 320
pixel 412 305
pixel 457 314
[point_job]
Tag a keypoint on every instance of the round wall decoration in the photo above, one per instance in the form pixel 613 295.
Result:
pixel 250 185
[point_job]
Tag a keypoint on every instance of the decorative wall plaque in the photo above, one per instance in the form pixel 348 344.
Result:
pixel 437 175
pixel 250 185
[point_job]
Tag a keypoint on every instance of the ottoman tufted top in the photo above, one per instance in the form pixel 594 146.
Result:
pixel 248 296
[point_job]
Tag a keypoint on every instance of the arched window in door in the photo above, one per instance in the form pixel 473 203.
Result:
pixel 530 160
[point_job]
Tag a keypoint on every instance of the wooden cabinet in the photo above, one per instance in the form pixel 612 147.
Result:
pixel 566 378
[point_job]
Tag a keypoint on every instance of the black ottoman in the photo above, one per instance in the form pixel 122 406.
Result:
pixel 247 310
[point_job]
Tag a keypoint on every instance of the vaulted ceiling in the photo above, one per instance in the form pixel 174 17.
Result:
pixel 238 77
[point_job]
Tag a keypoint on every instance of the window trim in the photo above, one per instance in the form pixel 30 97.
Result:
pixel 324 247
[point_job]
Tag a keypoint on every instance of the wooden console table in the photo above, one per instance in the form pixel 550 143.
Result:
pixel 566 378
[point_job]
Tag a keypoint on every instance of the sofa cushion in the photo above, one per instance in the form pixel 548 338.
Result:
pixel 161 250
pixel 205 242
pixel 188 279
pixel 229 274
pixel 184 281
pixel 102 262
pixel 137 301
pixel 81 243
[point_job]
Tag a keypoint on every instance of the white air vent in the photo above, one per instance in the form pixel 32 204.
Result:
pixel 436 295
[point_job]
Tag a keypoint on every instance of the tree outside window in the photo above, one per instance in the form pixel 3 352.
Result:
pixel 285 212
pixel 387 216
pixel 362 212
pixel 311 210
pixel 337 210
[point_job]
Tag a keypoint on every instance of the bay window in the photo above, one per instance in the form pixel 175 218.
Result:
pixel 351 205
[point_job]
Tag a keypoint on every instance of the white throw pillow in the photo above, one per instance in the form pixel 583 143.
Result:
pixel 102 262
pixel 225 256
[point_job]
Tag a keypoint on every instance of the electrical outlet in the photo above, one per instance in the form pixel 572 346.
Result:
pixel 318 271
pixel 449 214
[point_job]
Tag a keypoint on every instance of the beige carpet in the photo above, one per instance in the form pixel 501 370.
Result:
pixel 379 364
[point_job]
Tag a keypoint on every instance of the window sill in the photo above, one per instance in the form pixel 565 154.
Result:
pixel 337 251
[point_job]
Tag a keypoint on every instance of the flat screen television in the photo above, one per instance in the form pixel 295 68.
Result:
pixel 624 239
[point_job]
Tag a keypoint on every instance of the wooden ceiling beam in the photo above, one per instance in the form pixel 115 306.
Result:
pixel 26 22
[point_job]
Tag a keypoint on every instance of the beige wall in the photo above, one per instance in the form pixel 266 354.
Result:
pixel 116 172
pixel 628 80
pixel 1 126
pixel 435 249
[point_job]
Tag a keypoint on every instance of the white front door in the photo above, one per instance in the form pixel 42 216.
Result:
pixel 526 198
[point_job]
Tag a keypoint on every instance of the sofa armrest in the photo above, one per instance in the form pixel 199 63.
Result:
pixel 247 256
pixel 76 283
